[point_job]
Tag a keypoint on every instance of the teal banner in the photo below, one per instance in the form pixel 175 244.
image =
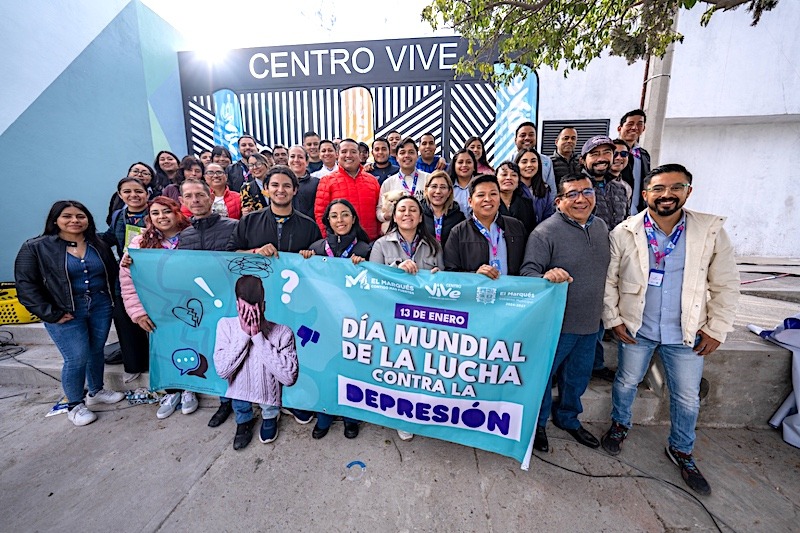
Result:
pixel 451 356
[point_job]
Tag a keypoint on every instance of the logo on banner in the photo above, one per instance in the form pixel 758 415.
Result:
pixel 440 291
pixel 485 295
pixel 360 280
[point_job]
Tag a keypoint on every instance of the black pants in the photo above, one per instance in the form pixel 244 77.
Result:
pixel 132 340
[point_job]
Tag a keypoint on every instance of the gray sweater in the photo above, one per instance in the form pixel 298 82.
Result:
pixel 560 242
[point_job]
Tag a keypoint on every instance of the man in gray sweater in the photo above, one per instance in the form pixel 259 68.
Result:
pixel 571 246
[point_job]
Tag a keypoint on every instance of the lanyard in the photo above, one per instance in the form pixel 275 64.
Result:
pixel 437 227
pixel 413 188
pixel 651 239
pixel 245 172
pixel 410 248
pixel 346 252
pixel 485 232
pixel 172 242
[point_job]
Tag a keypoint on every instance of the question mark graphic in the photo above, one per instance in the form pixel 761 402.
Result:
pixel 203 285
pixel 290 285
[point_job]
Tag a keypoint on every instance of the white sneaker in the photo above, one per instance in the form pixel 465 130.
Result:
pixel 127 378
pixel 105 396
pixel 168 404
pixel 188 402
pixel 404 435
pixel 80 415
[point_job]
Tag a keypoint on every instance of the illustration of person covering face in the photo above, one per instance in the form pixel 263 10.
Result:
pixel 254 355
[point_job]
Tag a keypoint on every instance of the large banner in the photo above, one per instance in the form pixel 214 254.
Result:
pixel 457 357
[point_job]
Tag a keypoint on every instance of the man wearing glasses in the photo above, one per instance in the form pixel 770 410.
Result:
pixel 673 285
pixel 571 246
pixel 622 153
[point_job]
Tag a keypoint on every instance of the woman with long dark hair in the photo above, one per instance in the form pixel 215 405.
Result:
pixel 166 165
pixel 476 146
pixel 66 278
pixel 164 223
pixel 144 173
pixel 408 245
pixel 513 201
pixel 348 240
pixel 462 169
pixel 534 186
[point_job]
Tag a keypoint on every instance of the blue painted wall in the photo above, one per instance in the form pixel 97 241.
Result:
pixel 117 102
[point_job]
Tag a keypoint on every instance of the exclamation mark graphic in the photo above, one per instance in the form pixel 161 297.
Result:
pixel 203 285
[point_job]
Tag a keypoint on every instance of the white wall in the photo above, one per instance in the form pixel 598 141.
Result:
pixel 608 88
pixel 745 172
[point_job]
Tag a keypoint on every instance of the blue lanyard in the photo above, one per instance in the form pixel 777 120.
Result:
pixel 653 242
pixel 486 233
pixel 346 252
pixel 173 242
pixel 413 188
pixel 437 227
pixel 410 248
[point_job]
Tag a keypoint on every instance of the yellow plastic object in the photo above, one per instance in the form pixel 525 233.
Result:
pixel 11 311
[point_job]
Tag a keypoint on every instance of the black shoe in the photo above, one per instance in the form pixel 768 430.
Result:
pixel 540 440
pixel 351 430
pixel 244 434
pixel 222 414
pixel 582 436
pixel 689 471
pixel 606 374
pixel 612 440
pixel 318 432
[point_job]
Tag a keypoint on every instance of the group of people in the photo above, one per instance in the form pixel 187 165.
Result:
pixel 637 262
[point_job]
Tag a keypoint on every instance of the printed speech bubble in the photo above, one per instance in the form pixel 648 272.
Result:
pixel 185 360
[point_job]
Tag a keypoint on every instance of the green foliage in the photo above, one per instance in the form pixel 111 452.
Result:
pixel 565 33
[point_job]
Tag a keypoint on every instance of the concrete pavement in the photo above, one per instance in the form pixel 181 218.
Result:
pixel 131 472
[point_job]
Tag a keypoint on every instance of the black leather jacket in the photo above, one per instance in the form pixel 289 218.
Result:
pixel 40 272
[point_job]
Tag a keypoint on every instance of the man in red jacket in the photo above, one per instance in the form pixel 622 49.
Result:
pixel 350 182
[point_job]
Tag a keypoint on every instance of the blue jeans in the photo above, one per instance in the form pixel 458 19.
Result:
pixel 81 341
pixel 324 420
pixel 599 351
pixel 244 411
pixel 574 355
pixel 683 368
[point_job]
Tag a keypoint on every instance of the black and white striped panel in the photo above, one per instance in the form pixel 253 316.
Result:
pixel 201 119
pixel 472 112
pixel 392 101
pixel 422 116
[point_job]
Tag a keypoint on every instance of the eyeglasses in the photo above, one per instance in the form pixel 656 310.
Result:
pixel 621 153
pixel 257 164
pixel 677 188
pixel 215 173
pixel 573 195
pixel 138 172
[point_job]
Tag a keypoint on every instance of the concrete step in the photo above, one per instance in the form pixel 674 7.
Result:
pixel 36 334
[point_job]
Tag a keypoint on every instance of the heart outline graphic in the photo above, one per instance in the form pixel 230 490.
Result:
pixel 190 315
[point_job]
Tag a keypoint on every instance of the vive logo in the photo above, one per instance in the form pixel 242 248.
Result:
pixel 360 280
pixel 438 290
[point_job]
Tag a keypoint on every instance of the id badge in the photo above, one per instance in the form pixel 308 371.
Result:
pixel 495 263
pixel 656 277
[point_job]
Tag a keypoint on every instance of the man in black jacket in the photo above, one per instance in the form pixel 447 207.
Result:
pixel 209 231
pixel 238 173
pixel 277 228
pixel 611 197
pixel 631 127
pixel 566 160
